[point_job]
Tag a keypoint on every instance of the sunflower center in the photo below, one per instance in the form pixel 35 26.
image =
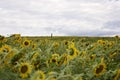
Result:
pixel 91 57
pixel 6 50
pixel 40 76
pixel 33 46
pixel 24 69
pixel 71 51
pixel 17 38
pixel 99 69
pixel 66 43
pixel 26 43
pixel 1 38
pixel 53 60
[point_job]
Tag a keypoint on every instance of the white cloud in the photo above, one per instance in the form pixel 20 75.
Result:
pixel 60 17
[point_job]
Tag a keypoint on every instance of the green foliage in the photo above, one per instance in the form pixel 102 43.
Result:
pixel 61 58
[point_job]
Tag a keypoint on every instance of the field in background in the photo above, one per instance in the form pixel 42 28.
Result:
pixel 91 39
pixel 59 58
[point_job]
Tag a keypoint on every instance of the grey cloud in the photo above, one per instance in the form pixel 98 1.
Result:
pixel 112 25
pixel 68 17
pixel 92 33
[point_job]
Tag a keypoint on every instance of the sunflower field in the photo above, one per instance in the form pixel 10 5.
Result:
pixel 59 58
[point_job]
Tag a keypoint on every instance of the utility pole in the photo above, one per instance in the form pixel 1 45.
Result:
pixel 51 35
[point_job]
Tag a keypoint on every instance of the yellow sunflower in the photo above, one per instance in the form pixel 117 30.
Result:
pixel 62 60
pixel 38 75
pixel 117 77
pixel 26 43
pixel 72 51
pixel 92 57
pixel 5 48
pixel 52 79
pixel 9 56
pixel 66 42
pixel 99 69
pixel 52 75
pixel 55 44
pixel 34 56
pixel 54 58
pixel 111 55
pixel 110 44
pixel 17 37
pixel 101 42
pixel 2 39
pixel 25 69
pixel 33 46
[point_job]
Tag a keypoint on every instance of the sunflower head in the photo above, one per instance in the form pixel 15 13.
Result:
pixel 2 39
pixel 55 44
pixel 26 43
pixel 92 57
pixel 56 56
pixel 24 70
pixel 101 42
pixel 72 51
pixel 54 59
pixel 66 42
pixel 111 55
pixel 52 75
pixel 5 49
pixel 33 46
pixel 53 79
pixel 38 75
pixel 99 69
pixel 62 59
pixel 116 36
pixel 16 37
pixel 9 56
pixel 117 75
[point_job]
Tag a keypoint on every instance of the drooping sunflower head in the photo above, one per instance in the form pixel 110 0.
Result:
pixel 113 54
pixel 116 36
pixel 65 56
pixel 33 46
pixel 102 42
pixel 25 69
pixel 55 44
pixel 63 59
pixel 117 77
pixel 71 44
pixel 5 48
pixel 72 51
pixel 34 56
pixel 36 64
pixel 9 56
pixel 2 39
pixel 99 69
pixel 38 75
pixel 92 57
pixel 52 75
pixel 17 37
pixel 66 42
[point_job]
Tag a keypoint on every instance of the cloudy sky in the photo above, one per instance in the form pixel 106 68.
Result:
pixel 60 17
